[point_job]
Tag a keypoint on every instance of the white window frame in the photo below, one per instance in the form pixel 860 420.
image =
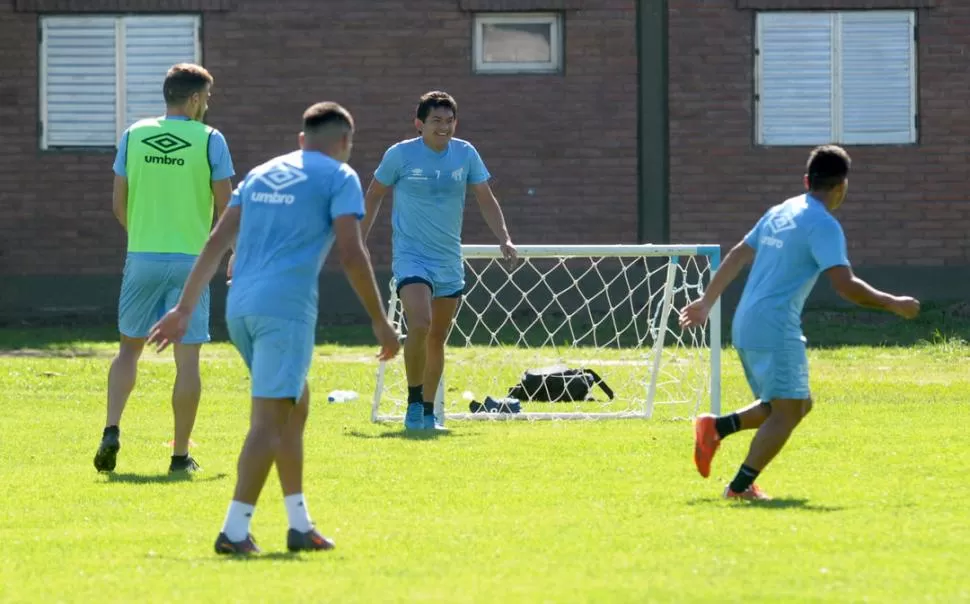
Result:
pixel 553 20
pixel 838 135
pixel 120 84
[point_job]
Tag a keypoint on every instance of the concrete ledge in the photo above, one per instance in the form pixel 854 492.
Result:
pixel 93 299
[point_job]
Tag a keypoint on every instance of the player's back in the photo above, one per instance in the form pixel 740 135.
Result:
pixel 288 206
pixel 793 242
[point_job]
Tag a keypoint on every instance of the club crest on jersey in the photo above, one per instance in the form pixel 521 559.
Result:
pixel 458 175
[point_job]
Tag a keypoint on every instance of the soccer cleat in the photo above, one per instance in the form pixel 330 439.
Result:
pixel 752 493
pixel 184 464
pixel 414 418
pixel 107 455
pixel 310 541
pixel 246 546
pixel 706 442
pixel 431 423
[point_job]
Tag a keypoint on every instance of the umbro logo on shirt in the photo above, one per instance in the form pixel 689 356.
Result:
pixel 781 222
pixel 165 143
pixel 777 224
pixel 279 178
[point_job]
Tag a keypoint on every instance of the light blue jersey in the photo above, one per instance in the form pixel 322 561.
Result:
pixel 794 242
pixel 288 207
pixel 429 203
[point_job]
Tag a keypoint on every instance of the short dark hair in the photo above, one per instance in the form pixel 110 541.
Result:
pixel 183 80
pixel 327 113
pixel 827 167
pixel 433 100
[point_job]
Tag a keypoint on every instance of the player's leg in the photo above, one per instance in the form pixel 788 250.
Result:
pixel 185 404
pixel 267 419
pixel 121 381
pixel 415 296
pixel 235 537
pixel 139 306
pixel 709 430
pixel 766 444
pixel 442 313
pixel 187 390
pixel 302 534
pixel 784 378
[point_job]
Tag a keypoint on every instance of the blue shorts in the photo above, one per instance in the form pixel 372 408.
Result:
pixel 150 287
pixel 777 374
pixel 277 352
pixel 444 282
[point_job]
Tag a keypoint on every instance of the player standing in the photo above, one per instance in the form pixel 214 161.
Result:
pixel 287 213
pixel 792 244
pixel 430 175
pixel 168 172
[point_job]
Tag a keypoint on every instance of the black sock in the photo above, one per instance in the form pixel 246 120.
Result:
pixel 415 394
pixel 428 409
pixel 180 457
pixel 744 479
pixel 727 424
pixel 115 430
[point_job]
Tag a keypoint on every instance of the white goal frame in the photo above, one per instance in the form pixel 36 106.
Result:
pixel 674 252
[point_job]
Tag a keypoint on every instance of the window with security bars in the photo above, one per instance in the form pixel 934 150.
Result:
pixel 99 74
pixel 836 77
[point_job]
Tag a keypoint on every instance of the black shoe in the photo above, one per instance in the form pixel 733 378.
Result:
pixel 246 546
pixel 107 455
pixel 307 542
pixel 184 464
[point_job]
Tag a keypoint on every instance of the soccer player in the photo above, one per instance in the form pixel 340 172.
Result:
pixel 792 244
pixel 287 213
pixel 171 172
pixel 430 175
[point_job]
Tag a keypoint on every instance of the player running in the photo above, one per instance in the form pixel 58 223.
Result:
pixel 169 172
pixel 430 175
pixel 287 213
pixel 791 245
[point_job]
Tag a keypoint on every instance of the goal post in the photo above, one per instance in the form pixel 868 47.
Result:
pixel 609 309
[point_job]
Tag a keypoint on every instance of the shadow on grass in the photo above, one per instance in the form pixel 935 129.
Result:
pixel 784 503
pixel 239 558
pixel 132 478
pixel 405 435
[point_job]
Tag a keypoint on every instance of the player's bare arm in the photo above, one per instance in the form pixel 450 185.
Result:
pixel 857 291
pixel 119 200
pixel 740 256
pixel 492 213
pixel 221 192
pixel 173 325
pixel 360 273
pixel 372 205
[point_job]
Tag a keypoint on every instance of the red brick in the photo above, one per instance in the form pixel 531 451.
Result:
pixel 898 198
pixel 571 138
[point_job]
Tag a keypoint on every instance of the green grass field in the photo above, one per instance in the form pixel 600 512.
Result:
pixel 871 493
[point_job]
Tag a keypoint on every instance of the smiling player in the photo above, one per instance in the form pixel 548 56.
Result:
pixel 430 175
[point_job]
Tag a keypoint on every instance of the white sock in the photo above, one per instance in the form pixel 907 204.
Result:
pixel 297 513
pixel 237 522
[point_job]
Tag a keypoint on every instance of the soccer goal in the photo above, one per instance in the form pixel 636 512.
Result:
pixel 609 309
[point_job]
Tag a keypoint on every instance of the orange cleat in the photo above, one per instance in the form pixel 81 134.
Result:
pixel 706 442
pixel 752 493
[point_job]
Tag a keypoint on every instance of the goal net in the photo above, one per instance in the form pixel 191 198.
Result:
pixel 612 310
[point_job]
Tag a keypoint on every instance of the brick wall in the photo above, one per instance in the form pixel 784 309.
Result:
pixel 906 205
pixel 570 139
